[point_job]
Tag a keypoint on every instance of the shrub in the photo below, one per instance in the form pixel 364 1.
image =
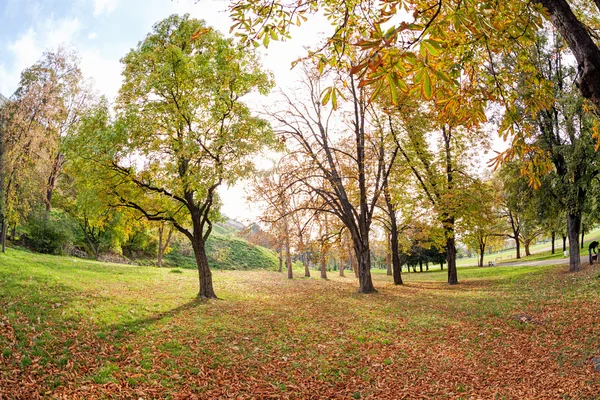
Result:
pixel 49 234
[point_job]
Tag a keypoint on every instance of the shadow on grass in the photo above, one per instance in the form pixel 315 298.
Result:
pixel 132 327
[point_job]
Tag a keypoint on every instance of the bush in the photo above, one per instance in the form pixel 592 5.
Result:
pixel 50 235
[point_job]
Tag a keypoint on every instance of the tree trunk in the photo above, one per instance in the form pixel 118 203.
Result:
pixel 518 247
pixel 420 266
pixel 564 238
pixel 582 235
pixel 3 235
pixel 281 259
pixel 526 244
pixel 204 274
pixel 363 256
pixel 442 265
pixel 481 252
pixel 162 244
pixel 451 258
pixel 573 226
pixel 53 179
pixel 585 51
pixel 323 267
pixel 288 257
pixel 388 256
pixel 353 262
pixel 553 240
pixel 342 266
pixel 305 263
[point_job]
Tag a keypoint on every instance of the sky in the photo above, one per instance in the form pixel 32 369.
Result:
pixel 103 31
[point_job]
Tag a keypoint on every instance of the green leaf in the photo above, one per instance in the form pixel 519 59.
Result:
pixel 325 96
pixel 431 46
pixel 426 88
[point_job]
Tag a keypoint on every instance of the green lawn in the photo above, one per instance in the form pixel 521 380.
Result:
pixel 540 251
pixel 72 328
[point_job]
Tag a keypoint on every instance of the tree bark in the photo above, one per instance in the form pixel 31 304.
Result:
pixel 451 258
pixel 288 256
pixel 573 227
pixel 394 247
pixel 582 235
pixel 388 256
pixel 363 256
pixel 3 235
pixel 305 263
pixel 204 274
pixel 53 179
pixel 323 267
pixel 342 266
pixel 564 238
pixel 581 44
pixel 553 240
pixel 526 244
pixel 518 247
pixel 481 252
pixel 353 262
pixel 281 259
pixel 162 245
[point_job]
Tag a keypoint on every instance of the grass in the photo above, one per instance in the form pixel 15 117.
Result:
pixel 539 251
pixel 229 252
pixel 82 329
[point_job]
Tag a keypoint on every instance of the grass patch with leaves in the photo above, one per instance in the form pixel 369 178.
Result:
pixel 81 329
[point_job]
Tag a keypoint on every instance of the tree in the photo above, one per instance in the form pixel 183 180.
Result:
pixel 483 226
pixel 182 129
pixel 561 138
pixel 338 166
pixel 272 189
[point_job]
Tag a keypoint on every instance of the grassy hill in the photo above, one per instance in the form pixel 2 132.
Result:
pixel 229 252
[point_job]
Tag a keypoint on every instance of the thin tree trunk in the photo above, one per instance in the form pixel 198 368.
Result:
pixel 162 245
pixel 582 235
pixel 342 266
pixel 564 238
pixel 388 256
pixel 518 247
pixel 573 227
pixel 553 240
pixel 3 235
pixel 281 259
pixel 481 252
pixel 52 180
pixel 353 262
pixel 288 256
pixel 442 265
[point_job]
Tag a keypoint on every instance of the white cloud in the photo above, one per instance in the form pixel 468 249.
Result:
pixel 92 36
pixel 60 32
pixel 106 73
pixel 30 45
pixel 104 6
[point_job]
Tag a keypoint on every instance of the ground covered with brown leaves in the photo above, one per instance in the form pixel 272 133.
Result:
pixel 72 329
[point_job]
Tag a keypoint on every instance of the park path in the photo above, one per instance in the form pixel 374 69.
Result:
pixel 556 261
